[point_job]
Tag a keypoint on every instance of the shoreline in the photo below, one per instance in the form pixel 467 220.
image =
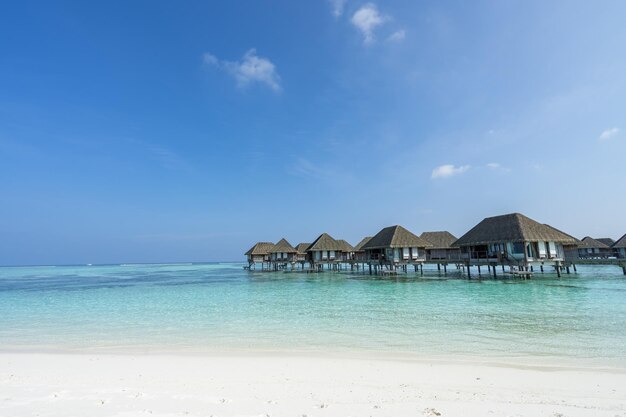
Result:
pixel 260 385
pixel 521 363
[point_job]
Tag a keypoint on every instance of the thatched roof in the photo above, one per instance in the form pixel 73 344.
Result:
pixel 283 246
pixel 606 240
pixel 302 247
pixel 345 246
pixel 260 248
pixel 621 242
pixel 359 246
pixel 439 240
pixel 574 242
pixel 395 237
pixel 591 243
pixel 325 242
pixel 513 227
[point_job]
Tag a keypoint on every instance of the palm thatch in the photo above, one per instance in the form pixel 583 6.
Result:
pixel 590 243
pixel 283 246
pixel 574 242
pixel 324 242
pixel 345 246
pixel 359 246
pixel 606 240
pixel 395 237
pixel 302 247
pixel 440 240
pixel 621 243
pixel 260 248
pixel 513 227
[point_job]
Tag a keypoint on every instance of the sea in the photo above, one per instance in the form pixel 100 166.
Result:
pixel 221 308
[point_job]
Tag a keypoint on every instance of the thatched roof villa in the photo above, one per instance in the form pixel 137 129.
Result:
pixel 301 255
pixel 347 250
pixel 619 247
pixel 396 245
pixel 324 249
pixel 283 252
pixel 359 252
pixel 514 238
pixel 443 246
pixel 593 248
pixel 259 253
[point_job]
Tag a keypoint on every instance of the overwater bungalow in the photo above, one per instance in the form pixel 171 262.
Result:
pixel 347 251
pixel 282 253
pixel 359 252
pixel 259 254
pixel 590 248
pixel 619 248
pixel 443 246
pixel 301 255
pixel 395 246
pixel 325 250
pixel 514 240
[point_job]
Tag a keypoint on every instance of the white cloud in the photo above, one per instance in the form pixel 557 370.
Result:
pixel 338 6
pixel 251 69
pixel 447 171
pixel 210 59
pixel 609 133
pixel 367 19
pixel 494 165
pixel 397 36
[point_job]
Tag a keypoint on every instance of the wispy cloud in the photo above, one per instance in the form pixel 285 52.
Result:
pixel 252 68
pixel 496 166
pixel 448 170
pixel 366 20
pixel 165 157
pixel 169 159
pixel 337 7
pixel 305 168
pixel 608 134
pixel 397 36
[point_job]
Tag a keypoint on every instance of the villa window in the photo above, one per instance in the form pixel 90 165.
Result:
pixel 518 247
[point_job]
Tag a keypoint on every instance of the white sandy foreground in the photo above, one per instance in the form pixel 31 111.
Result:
pixel 262 385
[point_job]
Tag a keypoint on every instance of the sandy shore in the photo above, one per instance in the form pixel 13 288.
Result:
pixel 274 385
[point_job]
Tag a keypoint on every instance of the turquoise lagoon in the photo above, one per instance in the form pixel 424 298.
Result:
pixel 215 308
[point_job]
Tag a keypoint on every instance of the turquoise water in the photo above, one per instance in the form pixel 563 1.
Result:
pixel 579 319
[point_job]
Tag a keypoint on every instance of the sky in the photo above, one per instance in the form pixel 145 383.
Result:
pixel 158 131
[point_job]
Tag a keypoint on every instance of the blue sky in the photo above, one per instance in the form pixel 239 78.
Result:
pixel 158 131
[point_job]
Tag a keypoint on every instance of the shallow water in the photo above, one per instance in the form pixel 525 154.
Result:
pixel 579 319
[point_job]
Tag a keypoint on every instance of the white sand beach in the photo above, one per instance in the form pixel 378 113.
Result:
pixel 289 385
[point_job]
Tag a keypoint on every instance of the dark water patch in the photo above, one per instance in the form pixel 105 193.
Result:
pixel 567 286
